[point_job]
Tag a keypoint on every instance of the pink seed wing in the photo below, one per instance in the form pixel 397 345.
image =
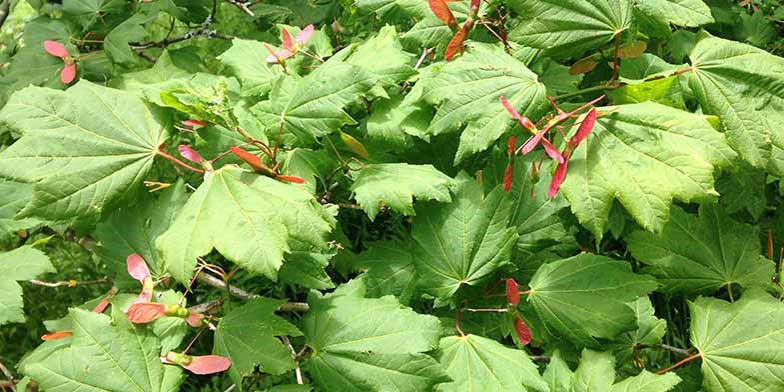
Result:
pixel 55 49
pixel 551 151
pixel 558 179
pixel 512 292
pixel 285 37
pixel 585 128
pixel 145 312
pixel 68 73
pixel 509 108
pixel 523 332
pixel 137 268
pixel 208 364
pixel 304 36
pixel 190 154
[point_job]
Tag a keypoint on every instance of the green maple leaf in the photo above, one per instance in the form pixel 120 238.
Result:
pixel 647 382
pixel 466 94
pixel 363 344
pixel 248 218
pixel 315 106
pixel 396 184
pixel 738 83
pixel 13 197
pixel 700 254
pixel 22 263
pixel 248 336
pixel 476 363
pixel 585 297
pixel 688 13
pixel 383 55
pixel 83 149
pixel 390 269
pixel 570 26
pixel 596 373
pixel 644 155
pixel 390 8
pixel 557 375
pixel 650 330
pixel 248 60
pixel 462 242
pixel 134 229
pixel 739 343
pixel 102 357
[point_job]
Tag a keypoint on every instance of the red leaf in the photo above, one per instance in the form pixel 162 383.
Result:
pixel 137 268
pixel 68 73
pixel 456 44
pixel 442 11
pixel 304 36
pixel 512 292
pixel 285 37
pixel 585 128
pixel 56 49
pixel 208 364
pixel 57 336
pixel 523 332
pixel 508 177
pixel 145 312
pixel 190 154
pixel 292 179
pixel 558 179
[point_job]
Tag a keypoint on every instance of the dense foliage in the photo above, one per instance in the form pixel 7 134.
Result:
pixel 391 195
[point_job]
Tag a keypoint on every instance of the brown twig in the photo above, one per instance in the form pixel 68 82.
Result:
pixel 179 162
pixel 679 363
pixel 294 356
pixel 69 283
pixel 243 6
pixel 242 294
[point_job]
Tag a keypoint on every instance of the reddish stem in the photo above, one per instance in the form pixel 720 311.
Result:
pixel 679 363
pixel 179 162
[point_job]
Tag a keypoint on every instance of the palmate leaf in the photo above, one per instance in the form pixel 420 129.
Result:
pixel 466 94
pixel 13 197
pixel 390 269
pixel 462 242
pixel 687 13
pixel 22 263
pixel 700 254
pixel 396 185
pixel 644 155
pixel 744 86
pixel 570 26
pixel 248 60
pixel 316 105
pixel 102 357
pixel 83 148
pixel 134 230
pixel 596 373
pixel 650 330
pixel 247 336
pixel 383 55
pixel 585 297
pixel 248 218
pixel 558 376
pixel 739 343
pixel 476 363
pixel 363 344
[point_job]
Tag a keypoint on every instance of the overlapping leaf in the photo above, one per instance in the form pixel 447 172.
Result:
pixel 465 92
pixel 83 149
pixel 688 13
pixel 463 242
pixel 248 61
pixel 248 218
pixel 363 344
pixel 700 254
pixel 644 155
pixel 23 263
pixel 476 363
pixel 396 185
pixel 739 342
pixel 585 297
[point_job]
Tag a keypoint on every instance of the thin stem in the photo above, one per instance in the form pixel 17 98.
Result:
pixel 494 310
pixel 457 323
pixel 210 280
pixel 69 283
pixel 729 291
pixel 8 375
pixel 297 370
pixel 340 158
pixel 277 141
pixel 179 162
pixel 588 90
pixel 680 351
pixel 679 363
pixel 201 331
pixel 244 6
pixel 615 59
pixel 5 10
pixel 422 58
pixel 207 306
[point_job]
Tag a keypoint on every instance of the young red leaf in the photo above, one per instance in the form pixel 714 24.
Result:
pixel 59 335
pixel 56 49
pixel 456 44
pixel 137 268
pixel 190 154
pixel 208 364
pixel 508 176
pixel 285 37
pixel 512 292
pixel 68 73
pixel 304 36
pixel 442 11
pixel 558 178
pixel 523 332
pixel 291 179
pixel 585 128
pixel 143 313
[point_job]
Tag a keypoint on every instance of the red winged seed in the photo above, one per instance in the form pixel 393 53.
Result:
pixel 208 364
pixel 195 124
pixel 456 44
pixel 585 128
pixel 145 312
pixel 57 335
pixel 68 74
pixel 442 11
pixel 137 268
pixel 291 179
pixel 195 320
pixel 558 179
pixel 524 121
pixel 252 160
pixel 285 37
pixel 56 49
pixel 304 36
pixel 512 292
pixel 190 154
pixel 523 332
pixel 508 177
pixel 510 145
